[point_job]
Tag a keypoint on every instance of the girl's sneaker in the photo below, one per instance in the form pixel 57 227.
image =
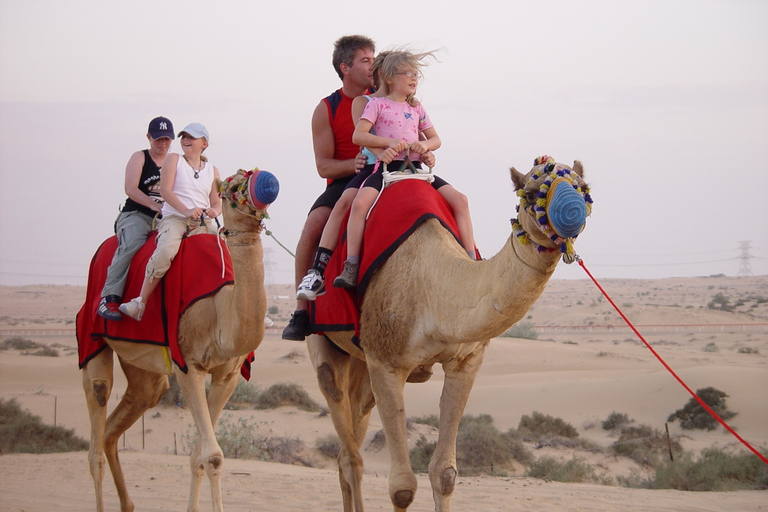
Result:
pixel 134 309
pixel 312 286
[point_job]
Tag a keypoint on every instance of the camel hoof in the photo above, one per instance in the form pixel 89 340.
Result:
pixel 327 382
pixel 421 373
pixel 402 499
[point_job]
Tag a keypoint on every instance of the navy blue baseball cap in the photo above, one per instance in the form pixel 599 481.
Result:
pixel 161 127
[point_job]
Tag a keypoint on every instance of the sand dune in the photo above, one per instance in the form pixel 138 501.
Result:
pixel 581 371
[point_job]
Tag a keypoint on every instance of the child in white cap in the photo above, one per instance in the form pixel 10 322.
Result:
pixel 188 186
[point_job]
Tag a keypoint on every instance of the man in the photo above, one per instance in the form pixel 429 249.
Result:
pixel 337 158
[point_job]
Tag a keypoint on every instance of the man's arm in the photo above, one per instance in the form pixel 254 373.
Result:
pixel 324 145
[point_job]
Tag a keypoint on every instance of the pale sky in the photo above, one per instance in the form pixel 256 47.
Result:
pixel 665 103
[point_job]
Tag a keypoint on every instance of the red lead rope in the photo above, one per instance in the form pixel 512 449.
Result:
pixel 670 370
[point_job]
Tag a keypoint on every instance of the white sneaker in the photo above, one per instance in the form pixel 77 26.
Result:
pixel 268 322
pixel 134 309
pixel 312 286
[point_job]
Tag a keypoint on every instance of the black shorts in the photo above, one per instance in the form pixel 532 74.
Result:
pixel 332 193
pixel 376 180
pixel 358 180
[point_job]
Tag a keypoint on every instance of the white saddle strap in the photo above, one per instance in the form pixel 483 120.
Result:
pixel 395 176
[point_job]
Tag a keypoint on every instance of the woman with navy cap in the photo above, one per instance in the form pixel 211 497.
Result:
pixel 188 186
pixel 134 223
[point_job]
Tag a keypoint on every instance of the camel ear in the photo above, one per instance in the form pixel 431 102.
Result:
pixel 578 168
pixel 518 178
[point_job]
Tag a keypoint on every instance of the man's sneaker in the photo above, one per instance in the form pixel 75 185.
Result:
pixel 134 309
pixel 312 286
pixel 298 327
pixel 108 308
pixel 348 278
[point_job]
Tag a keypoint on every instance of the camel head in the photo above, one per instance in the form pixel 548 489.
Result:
pixel 554 205
pixel 246 195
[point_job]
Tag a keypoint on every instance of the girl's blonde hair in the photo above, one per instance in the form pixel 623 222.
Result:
pixel 397 60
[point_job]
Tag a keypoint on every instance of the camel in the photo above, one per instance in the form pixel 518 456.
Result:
pixel 215 335
pixel 429 303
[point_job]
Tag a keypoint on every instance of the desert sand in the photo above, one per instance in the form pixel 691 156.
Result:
pixel 584 365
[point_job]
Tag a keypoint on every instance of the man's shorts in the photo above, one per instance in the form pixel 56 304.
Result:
pixel 332 193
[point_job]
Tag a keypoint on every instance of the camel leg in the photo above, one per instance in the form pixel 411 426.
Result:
pixel 388 384
pixel 144 391
pixel 97 384
pixel 344 383
pixel 223 384
pixel 459 377
pixel 209 457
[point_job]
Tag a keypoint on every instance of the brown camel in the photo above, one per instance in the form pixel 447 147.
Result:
pixel 430 304
pixel 215 335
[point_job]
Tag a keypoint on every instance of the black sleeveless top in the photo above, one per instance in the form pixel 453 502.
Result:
pixel 149 183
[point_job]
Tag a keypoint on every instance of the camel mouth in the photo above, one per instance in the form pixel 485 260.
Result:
pixel 566 209
pixel 560 206
pixel 257 189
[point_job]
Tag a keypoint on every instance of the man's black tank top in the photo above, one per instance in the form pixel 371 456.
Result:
pixel 149 183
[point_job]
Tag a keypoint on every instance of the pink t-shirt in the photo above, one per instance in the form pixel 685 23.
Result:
pixel 397 121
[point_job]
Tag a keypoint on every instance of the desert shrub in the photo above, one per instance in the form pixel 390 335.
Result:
pixel 615 420
pixel 273 310
pixel 644 445
pixel 173 397
pixel 43 350
pixel 721 302
pixel 480 448
pixel 241 440
pixel 715 470
pixel 523 330
pixel 245 393
pixel 23 432
pixel 538 425
pixel 748 350
pixel 282 394
pixel 694 416
pixel 710 347
pixel 286 450
pixel 330 445
pixel 19 343
pixel 421 454
pixel 575 470
pixel 431 419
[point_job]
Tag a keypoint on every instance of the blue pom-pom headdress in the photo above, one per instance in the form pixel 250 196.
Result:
pixel 258 189
pixel 561 206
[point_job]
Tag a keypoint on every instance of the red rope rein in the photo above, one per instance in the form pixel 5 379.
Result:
pixel 669 369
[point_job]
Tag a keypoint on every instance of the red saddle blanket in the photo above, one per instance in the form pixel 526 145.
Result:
pixel 401 208
pixel 196 273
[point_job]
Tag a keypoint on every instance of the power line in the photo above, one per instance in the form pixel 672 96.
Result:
pixel 745 268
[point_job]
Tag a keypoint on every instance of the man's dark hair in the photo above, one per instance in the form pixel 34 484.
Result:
pixel 344 50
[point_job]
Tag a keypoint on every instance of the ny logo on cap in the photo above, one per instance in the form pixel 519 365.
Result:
pixel 163 125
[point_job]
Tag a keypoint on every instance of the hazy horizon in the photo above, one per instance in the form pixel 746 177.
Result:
pixel 664 102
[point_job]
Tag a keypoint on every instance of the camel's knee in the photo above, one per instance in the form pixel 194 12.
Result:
pixel 216 462
pixel 402 499
pixel 101 391
pixel 327 381
pixel 96 464
pixel 448 481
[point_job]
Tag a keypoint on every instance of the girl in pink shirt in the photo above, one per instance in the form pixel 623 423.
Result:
pixel 397 119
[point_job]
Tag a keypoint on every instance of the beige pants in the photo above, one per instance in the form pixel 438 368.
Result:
pixel 170 230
